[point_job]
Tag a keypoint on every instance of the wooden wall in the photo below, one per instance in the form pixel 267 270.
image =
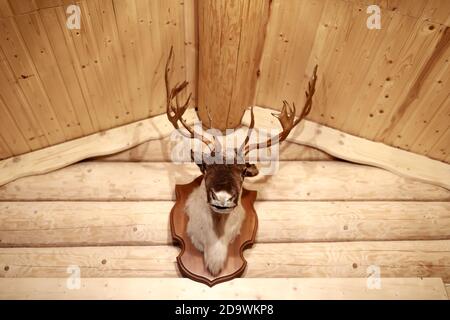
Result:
pixel 389 85
pixel 58 84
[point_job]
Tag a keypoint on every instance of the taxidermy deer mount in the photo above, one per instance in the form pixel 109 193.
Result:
pixel 214 207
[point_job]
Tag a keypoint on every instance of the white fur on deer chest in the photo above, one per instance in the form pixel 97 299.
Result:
pixel 200 229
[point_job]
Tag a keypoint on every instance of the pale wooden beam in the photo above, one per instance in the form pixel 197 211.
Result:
pixel 294 180
pixel 231 38
pixel 166 288
pixel 78 223
pixel 428 258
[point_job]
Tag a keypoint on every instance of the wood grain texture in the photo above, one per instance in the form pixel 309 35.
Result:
pixel 319 180
pixel 167 288
pixel 361 150
pixel 66 83
pixel 383 85
pixel 338 259
pixel 231 35
pixel 62 223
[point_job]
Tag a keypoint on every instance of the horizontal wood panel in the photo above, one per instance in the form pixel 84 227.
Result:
pixel 168 288
pixel 339 259
pixel 315 180
pixel 51 224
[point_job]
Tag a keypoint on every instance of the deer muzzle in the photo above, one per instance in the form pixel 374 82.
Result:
pixel 222 202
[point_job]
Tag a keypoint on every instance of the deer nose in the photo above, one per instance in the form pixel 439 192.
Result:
pixel 222 198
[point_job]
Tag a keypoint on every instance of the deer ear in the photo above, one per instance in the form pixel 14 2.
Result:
pixel 198 162
pixel 250 170
pixel 201 166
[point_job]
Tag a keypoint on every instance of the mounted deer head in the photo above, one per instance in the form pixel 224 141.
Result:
pixel 214 209
pixel 223 181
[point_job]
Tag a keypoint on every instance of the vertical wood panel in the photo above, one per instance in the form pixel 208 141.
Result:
pixel 231 35
pixel 61 50
pixel 191 45
pixel 16 104
pixel 11 132
pixel 29 81
pixel 436 128
pixel 5 152
pixel 41 53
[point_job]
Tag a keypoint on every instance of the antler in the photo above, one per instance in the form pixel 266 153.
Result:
pixel 286 118
pixel 175 112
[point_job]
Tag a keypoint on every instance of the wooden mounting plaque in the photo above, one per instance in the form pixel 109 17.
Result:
pixel 190 260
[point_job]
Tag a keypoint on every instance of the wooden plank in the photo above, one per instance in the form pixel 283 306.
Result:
pixel 278 289
pixel 434 131
pixel 14 100
pixel 11 133
pixel 274 260
pixel 234 33
pixel 61 223
pixel 112 56
pixel 26 75
pixel 41 53
pixel 191 45
pixel 4 149
pixel 441 148
pixel 160 150
pixel 360 150
pixel 61 48
pixel 430 97
pixel 319 180
pixel 5 9
pixel 447 287
pixel 23 6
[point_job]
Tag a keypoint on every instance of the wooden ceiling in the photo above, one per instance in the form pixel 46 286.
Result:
pixel 58 84
pixel 389 85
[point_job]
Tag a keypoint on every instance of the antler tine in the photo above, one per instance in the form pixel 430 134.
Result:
pixel 249 133
pixel 287 117
pixel 175 113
